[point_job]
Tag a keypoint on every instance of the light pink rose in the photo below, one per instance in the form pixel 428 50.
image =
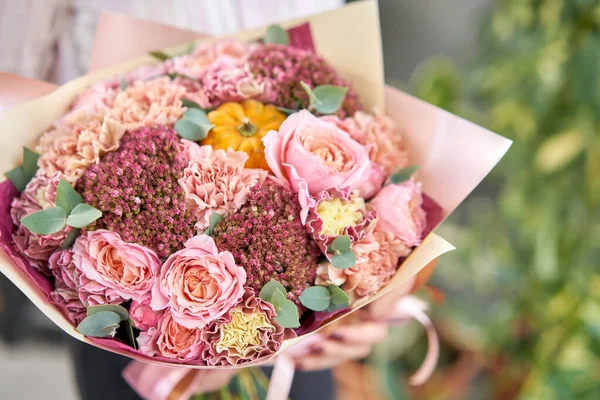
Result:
pixel 128 270
pixel 172 340
pixel 400 212
pixel 216 181
pixel 313 155
pixel 379 134
pixel 198 284
pixel 373 181
pixel 143 316
pixel 39 194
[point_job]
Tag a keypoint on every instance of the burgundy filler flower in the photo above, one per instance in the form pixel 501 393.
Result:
pixel 137 191
pixel 284 67
pixel 268 240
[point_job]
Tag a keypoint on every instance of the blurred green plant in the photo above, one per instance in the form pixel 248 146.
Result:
pixel 523 290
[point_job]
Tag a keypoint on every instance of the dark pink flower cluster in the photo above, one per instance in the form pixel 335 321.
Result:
pixel 137 191
pixel 268 240
pixel 284 67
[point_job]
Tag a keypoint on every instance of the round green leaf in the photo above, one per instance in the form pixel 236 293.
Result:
pixel 17 177
pixel 101 324
pixel 340 244
pixel 344 260
pixel 287 312
pixel 30 159
pixel 338 297
pixel 67 197
pixel 83 215
pixel 159 55
pixel 213 220
pixel 403 174
pixel 267 291
pixel 329 98
pixel 316 298
pixel 277 35
pixel 45 222
pixel 117 309
pixel 190 104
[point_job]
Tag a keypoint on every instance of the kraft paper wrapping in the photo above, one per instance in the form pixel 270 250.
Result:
pixel 454 154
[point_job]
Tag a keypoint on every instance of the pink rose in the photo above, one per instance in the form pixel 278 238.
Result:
pixel 171 340
pixel 198 284
pixel 313 155
pixel 375 177
pixel 128 270
pixel 143 316
pixel 216 181
pixel 39 194
pixel 400 212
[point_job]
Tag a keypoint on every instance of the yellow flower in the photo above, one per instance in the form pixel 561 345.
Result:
pixel 338 214
pixel 241 126
pixel 244 333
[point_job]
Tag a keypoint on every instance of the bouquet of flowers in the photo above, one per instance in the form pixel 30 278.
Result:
pixel 210 208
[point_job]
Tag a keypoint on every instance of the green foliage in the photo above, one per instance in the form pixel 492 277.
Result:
pixel 194 125
pixel 523 286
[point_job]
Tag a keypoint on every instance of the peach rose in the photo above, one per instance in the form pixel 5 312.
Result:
pixel 400 212
pixel 216 181
pixel 313 155
pixel 198 284
pixel 171 340
pixel 125 269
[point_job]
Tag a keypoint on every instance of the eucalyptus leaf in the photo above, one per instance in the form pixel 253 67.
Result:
pixel 340 244
pixel 117 309
pixel 344 260
pixel 70 239
pixel 159 55
pixel 17 177
pixel 194 125
pixel 196 115
pixel 101 324
pixel 123 84
pixel 316 298
pixel 330 98
pixel 311 96
pixel 190 104
pixel 266 292
pixel 287 312
pixel 286 111
pixel 83 215
pixel 190 48
pixel 339 299
pixel 130 334
pixel 30 159
pixel 276 35
pixel 403 174
pixel 214 219
pixel 67 197
pixel 45 222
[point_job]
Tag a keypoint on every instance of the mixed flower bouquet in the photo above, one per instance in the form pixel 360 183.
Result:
pixel 210 207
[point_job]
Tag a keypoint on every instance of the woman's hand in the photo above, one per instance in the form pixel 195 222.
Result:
pixel 341 343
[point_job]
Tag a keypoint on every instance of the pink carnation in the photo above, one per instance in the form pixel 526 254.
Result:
pixel 400 211
pixel 77 141
pixel 198 284
pixel 114 267
pixel 146 103
pixel 66 285
pixel 172 340
pixel 338 213
pixel 216 181
pixel 143 316
pixel 377 256
pixel 379 134
pixel 244 334
pixel 39 194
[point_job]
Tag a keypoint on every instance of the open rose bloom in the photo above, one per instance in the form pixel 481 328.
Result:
pixel 189 233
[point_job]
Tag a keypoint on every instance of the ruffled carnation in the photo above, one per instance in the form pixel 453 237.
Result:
pixel 66 285
pixel 284 67
pixel 198 284
pixel 216 181
pixel 39 194
pixel 136 188
pixel 268 240
pixel 125 270
pixel 400 211
pixel 171 340
pixel 77 141
pixel 146 103
pixel 377 257
pixel 379 134
pixel 338 213
pixel 245 334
